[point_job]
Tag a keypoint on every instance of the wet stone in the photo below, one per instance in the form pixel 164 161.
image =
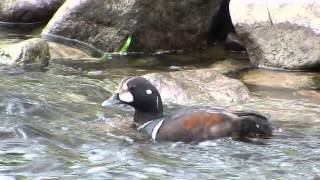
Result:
pixel 231 66
pixel 282 34
pixel 153 25
pixel 60 51
pixel 310 94
pixel 28 11
pixel 194 87
pixel 280 79
pixel 32 53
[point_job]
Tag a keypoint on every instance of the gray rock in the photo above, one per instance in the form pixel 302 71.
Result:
pixel 312 94
pixel 32 53
pixel 104 25
pixel 28 11
pixel 228 66
pixel 60 51
pixel 195 87
pixel 278 79
pixel 233 43
pixel 281 34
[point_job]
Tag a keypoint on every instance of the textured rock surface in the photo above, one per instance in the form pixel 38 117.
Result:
pixel 278 79
pixel 32 53
pixel 28 11
pixel 281 34
pixel 58 51
pixel 231 66
pixel 312 94
pixel 104 25
pixel 195 87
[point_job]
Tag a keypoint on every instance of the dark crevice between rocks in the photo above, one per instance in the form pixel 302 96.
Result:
pixel 24 25
pixel 314 68
pixel 221 24
pixel 222 30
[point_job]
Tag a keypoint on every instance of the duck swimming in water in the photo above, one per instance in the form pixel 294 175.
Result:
pixel 187 124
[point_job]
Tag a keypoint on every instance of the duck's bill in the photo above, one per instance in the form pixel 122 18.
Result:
pixel 113 100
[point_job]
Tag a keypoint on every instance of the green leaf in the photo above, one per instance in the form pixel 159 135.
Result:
pixel 126 45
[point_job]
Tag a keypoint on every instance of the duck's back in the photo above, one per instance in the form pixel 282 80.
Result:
pixel 201 123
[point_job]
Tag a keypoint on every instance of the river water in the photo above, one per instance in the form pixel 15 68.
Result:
pixel 53 127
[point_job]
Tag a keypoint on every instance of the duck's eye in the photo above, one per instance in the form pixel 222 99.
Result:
pixel 131 88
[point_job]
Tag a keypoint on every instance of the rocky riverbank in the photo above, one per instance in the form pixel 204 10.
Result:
pixel 282 35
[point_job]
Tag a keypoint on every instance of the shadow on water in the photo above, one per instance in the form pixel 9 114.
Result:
pixel 52 126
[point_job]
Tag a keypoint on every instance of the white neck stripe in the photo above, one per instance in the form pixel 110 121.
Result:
pixel 143 125
pixel 156 129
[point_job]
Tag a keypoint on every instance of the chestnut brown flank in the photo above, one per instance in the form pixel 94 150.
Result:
pixel 202 119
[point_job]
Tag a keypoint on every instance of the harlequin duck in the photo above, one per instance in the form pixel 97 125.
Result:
pixel 188 124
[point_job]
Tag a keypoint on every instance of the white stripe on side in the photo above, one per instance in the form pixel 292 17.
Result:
pixel 143 125
pixel 155 130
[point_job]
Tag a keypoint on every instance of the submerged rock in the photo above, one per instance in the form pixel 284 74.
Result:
pixel 15 12
pixel 32 53
pixel 60 51
pixel 231 66
pixel 278 79
pixel 105 25
pixel 313 94
pixel 282 34
pixel 193 87
pixel 27 131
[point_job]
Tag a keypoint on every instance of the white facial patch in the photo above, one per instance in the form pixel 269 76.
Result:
pixel 126 97
pixel 124 94
pixel 123 86
pixel 148 91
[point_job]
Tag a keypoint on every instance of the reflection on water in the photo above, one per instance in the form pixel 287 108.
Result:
pixel 52 126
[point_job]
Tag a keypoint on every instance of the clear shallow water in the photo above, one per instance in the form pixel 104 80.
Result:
pixel 52 127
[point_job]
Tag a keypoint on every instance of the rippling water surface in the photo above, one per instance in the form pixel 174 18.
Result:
pixel 52 127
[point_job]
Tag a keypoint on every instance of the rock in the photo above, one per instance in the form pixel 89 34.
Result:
pixel 60 51
pixel 82 64
pixel 233 43
pixel 27 131
pixel 231 66
pixel 97 26
pixel 27 11
pixel 32 53
pixel 278 79
pixel 281 34
pixel 312 94
pixel 194 87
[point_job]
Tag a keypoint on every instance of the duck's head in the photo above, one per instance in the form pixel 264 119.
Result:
pixel 139 93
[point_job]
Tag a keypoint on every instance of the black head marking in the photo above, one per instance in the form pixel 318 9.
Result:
pixel 139 93
pixel 146 96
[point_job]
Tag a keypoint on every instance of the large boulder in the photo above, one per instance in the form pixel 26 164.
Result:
pixel 27 11
pixel 195 87
pixel 282 34
pixel 105 25
pixel 32 53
